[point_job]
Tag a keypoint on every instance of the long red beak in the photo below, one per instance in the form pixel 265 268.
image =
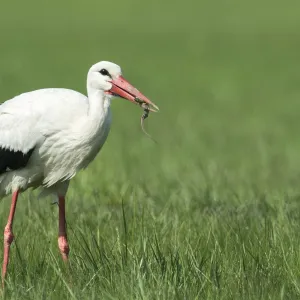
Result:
pixel 124 89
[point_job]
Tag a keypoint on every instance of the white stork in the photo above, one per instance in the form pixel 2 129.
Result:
pixel 48 135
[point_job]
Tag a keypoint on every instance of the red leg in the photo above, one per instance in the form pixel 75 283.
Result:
pixel 62 232
pixel 8 234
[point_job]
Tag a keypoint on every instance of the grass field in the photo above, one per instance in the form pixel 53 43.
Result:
pixel 213 210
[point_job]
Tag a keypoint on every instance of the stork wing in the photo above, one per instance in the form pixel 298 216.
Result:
pixel 18 134
pixel 17 127
pixel 30 119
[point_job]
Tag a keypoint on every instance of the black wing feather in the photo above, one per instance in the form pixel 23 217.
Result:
pixel 13 160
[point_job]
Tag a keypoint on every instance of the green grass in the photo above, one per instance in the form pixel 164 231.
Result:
pixel 213 210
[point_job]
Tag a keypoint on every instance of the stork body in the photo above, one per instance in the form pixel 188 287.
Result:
pixel 57 131
pixel 48 135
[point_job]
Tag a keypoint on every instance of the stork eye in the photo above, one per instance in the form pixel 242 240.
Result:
pixel 104 72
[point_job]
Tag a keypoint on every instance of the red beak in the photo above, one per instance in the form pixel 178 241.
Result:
pixel 124 89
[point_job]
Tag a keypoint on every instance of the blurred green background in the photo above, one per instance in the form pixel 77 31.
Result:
pixel 212 211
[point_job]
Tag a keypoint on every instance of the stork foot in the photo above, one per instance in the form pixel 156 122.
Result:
pixel 63 246
pixel 8 235
pixel 8 239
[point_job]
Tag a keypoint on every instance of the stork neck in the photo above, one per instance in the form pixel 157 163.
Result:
pixel 99 102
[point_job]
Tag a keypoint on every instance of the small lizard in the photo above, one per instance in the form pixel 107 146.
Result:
pixel 144 116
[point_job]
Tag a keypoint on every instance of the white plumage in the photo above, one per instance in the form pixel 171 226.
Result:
pixel 65 128
pixel 48 135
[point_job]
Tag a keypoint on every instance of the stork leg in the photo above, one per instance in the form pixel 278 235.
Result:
pixel 8 234
pixel 62 232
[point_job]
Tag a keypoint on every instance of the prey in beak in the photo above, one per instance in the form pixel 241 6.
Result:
pixel 122 88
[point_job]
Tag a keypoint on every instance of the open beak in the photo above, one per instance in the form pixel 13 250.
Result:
pixel 124 89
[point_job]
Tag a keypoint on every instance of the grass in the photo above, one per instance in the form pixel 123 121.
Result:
pixel 213 211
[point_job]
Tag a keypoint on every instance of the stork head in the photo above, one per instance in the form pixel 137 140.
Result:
pixel 107 77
